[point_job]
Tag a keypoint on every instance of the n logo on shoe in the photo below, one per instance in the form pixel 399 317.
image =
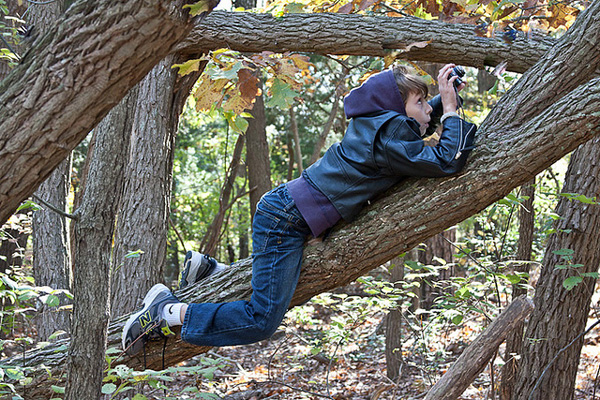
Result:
pixel 145 319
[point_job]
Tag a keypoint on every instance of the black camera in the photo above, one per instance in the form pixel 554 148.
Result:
pixel 457 71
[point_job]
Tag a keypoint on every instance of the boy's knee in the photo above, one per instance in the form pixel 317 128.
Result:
pixel 264 331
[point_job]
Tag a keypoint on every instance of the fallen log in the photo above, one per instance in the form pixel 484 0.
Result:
pixel 475 357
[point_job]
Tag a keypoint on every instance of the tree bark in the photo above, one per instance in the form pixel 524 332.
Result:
pixel 514 341
pixel 51 250
pixel 258 160
pixel 145 205
pixel 296 136
pixel 69 80
pixel 475 357
pixel 93 236
pixel 393 327
pixel 555 329
pixel 371 35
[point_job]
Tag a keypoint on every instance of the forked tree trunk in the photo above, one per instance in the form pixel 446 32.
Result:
pixel 553 341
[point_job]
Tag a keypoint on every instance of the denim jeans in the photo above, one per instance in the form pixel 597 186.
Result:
pixel 278 236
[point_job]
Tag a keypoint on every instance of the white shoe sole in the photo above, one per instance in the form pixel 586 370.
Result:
pixel 148 299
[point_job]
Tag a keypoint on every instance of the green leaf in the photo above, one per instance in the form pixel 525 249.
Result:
pixel 58 389
pixel 198 7
pixel 514 279
pixel 282 95
pixel 52 301
pixel 564 252
pixel 457 319
pixel 109 388
pixel 572 281
pixel 594 275
pixel 139 397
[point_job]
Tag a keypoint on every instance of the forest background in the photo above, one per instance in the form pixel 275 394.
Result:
pixel 173 184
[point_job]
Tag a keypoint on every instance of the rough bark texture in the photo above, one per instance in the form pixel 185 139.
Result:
pixel 470 363
pixel 70 79
pixel 258 160
pixel 145 206
pixel 393 327
pixel 563 314
pixel 362 35
pixel 514 341
pixel 51 250
pixel 93 236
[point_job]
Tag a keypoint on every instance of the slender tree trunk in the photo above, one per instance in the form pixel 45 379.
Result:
pixel 93 233
pixel 297 148
pixel 211 239
pixel 325 132
pixel 514 341
pixel 51 250
pixel 393 327
pixel 258 159
pixel 553 339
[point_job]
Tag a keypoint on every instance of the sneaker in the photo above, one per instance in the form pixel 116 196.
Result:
pixel 148 323
pixel 196 266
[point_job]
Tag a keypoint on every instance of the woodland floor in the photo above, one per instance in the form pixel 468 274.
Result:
pixel 284 367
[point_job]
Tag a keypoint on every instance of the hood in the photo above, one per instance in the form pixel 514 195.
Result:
pixel 378 93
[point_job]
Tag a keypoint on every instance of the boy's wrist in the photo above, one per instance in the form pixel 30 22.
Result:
pixel 447 115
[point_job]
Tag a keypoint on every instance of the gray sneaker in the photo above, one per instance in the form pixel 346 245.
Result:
pixel 148 323
pixel 196 267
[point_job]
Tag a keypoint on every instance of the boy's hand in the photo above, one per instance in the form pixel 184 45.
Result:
pixel 447 92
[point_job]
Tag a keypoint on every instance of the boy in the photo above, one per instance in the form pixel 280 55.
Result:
pixel 383 144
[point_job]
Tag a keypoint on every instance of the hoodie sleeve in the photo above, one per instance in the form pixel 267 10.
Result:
pixel 405 153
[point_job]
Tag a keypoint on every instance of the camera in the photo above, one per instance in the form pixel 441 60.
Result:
pixel 457 71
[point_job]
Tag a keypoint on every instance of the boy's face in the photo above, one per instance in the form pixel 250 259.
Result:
pixel 416 107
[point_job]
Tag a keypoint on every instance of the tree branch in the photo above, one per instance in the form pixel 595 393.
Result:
pixel 353 34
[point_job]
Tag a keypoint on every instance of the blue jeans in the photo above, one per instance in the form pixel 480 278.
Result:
pixel 278 236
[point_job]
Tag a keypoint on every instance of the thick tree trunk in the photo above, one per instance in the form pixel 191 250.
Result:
pixel 361 35
pixel 561 315
pixel 258 158
pixel 69 80
pixel 93 236
pixel 145 205
pixel 514 341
